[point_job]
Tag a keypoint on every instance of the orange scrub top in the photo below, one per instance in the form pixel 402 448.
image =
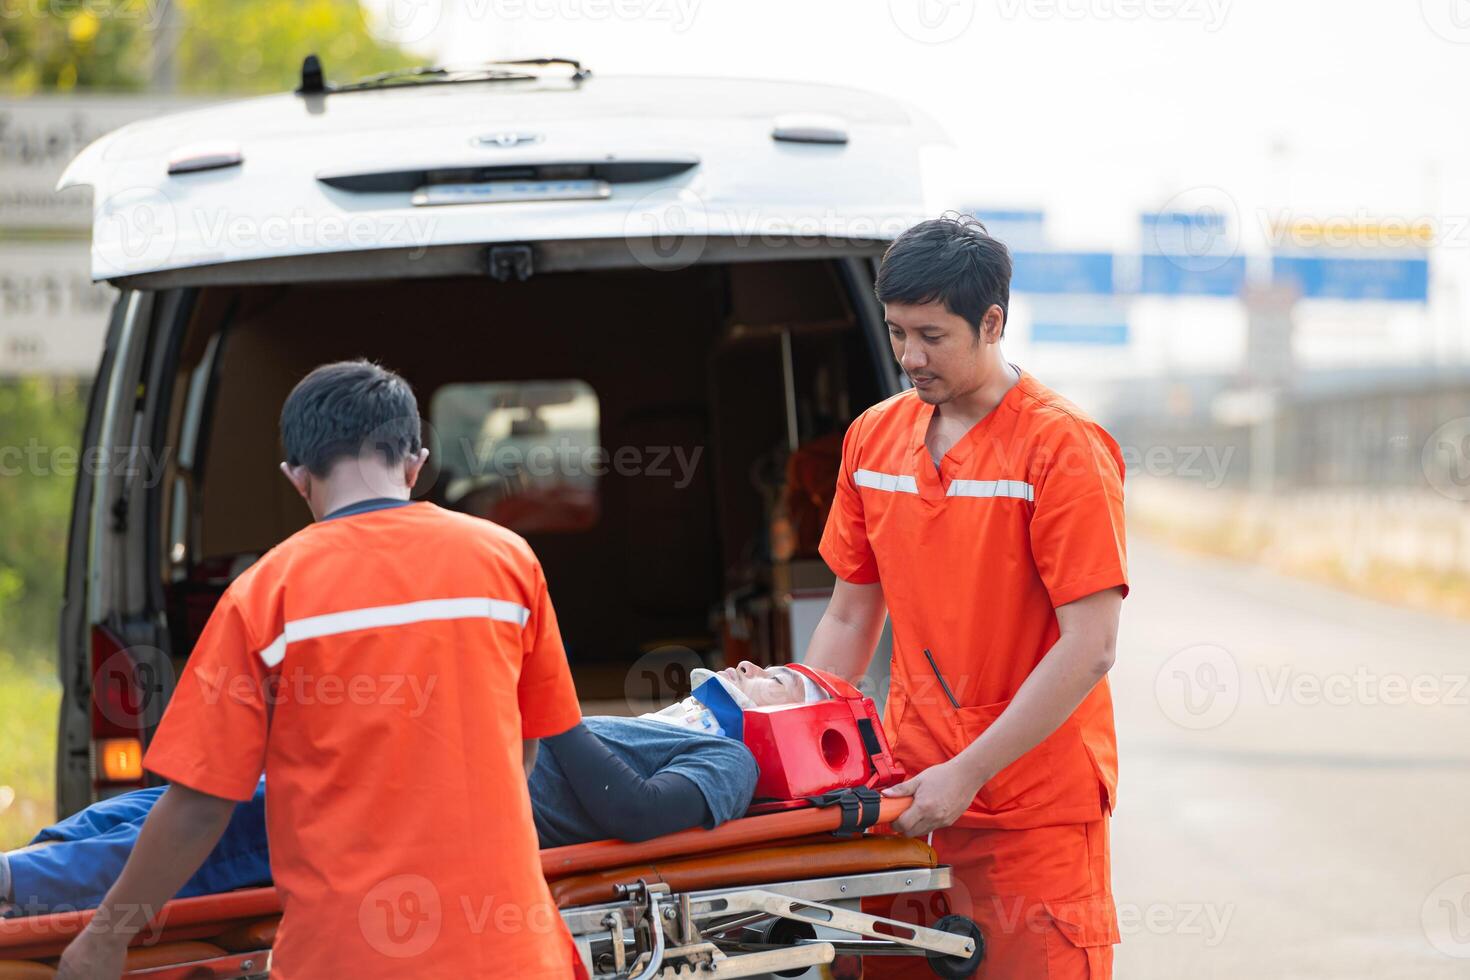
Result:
pixel 1024 514
pixel 382 668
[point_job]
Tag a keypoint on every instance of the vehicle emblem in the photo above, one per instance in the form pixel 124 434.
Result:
pixel 506 140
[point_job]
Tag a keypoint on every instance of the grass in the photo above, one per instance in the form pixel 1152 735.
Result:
pixel 30 698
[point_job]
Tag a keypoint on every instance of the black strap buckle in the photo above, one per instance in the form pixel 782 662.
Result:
pixel 859 804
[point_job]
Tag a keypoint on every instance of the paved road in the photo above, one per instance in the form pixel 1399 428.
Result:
pixel 1295 797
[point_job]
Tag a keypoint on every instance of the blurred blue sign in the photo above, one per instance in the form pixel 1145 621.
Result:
pixel 1025 230
pixel 1171 275
pixel 1062 272
pixel 1079 319
pixel 1003 217
pixel 1203 232
pixel 1107 334
pixel 1401 280
pixel 1189 253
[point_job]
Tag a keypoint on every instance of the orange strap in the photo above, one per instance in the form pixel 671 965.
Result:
pixel 47 935
pixel 558 862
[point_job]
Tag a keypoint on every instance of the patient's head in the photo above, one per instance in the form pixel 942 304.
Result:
pixel 767 686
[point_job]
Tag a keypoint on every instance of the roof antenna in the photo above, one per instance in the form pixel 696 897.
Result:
pixel 312 81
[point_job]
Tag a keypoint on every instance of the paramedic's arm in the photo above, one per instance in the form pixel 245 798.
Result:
pixel 1081 657
pixel 844 640
pixel 176 838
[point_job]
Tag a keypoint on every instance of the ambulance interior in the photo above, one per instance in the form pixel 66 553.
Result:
pixel 637 427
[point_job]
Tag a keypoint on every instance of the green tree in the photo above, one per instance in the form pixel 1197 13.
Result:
pixel 40 437
pixel 232 46
pixel 93 48
pixel 224 46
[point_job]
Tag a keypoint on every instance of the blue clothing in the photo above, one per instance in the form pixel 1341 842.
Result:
pixel 722 768
pixel 625 805
pixel 77 874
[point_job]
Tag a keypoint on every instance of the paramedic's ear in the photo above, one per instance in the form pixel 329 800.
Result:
pixel 300 478
pixel 412 465
pixel 993 324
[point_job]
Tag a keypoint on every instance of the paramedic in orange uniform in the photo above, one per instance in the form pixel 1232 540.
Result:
pixel 984 513
pixel 390 668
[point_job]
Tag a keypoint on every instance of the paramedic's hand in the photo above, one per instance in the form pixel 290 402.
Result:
pixel 941 794
pixel 94 955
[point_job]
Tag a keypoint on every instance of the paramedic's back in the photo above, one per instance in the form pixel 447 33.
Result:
pixel 383 667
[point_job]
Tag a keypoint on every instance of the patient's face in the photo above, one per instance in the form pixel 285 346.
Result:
pixel 764 685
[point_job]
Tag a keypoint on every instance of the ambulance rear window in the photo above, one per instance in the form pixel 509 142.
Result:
pixel 524 454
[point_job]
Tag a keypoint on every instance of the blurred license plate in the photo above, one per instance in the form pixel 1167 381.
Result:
pixel 505 191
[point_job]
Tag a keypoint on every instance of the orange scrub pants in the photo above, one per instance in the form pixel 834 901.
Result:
pixel 1042 898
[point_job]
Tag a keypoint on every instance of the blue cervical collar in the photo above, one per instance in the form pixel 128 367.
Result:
pixel 712 695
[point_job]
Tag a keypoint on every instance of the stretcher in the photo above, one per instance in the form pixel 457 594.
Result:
pixel 765 894
pixel 776 892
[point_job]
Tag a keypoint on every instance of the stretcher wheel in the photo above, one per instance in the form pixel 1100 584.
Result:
pixel 785 932
pixel 952 967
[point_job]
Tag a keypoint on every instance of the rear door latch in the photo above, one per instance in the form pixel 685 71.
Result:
pixel 510 261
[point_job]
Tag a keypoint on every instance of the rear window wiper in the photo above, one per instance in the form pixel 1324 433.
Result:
pixel 313 79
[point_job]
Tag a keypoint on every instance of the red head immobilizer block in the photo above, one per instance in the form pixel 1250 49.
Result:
pixel 810 749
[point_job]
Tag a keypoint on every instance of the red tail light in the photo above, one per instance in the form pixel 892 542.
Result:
pixel 120 695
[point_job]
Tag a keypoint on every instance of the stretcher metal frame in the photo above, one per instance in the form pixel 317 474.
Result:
pixel 652 934
pixel 635 928
pixel 720 933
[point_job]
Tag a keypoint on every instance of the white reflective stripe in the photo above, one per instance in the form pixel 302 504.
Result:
pixel 276 652
pixel 891 482
pixel 992 488
pixel 403 614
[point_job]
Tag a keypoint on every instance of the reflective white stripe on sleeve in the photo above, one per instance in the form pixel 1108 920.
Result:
pixel 403 614
pixel 892 482
pixel 992 488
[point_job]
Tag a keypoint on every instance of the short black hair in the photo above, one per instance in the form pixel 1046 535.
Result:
pixel 343 409
pixel 950 259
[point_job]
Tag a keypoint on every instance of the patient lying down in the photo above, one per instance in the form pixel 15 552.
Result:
pixel 608 777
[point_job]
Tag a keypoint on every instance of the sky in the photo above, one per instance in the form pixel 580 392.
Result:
pixel 1096 110
pixel 1089 108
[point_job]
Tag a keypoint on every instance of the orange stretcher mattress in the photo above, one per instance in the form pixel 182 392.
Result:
pixel 751 866
pixel 558 862
pixel 752 850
